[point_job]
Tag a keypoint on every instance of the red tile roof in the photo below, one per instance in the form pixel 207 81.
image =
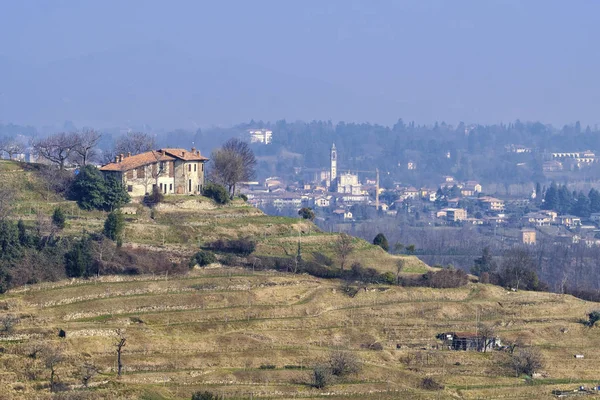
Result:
pixel 150 157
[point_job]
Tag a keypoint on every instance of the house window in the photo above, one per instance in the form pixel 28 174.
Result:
pixel 190 167
pixel 161 187
pixel 130 174
pixel 202 167
pixel 190 186
pixel 162 166
pixel 141 172
pixel 195 167
pixel 130 188
pixel 170 187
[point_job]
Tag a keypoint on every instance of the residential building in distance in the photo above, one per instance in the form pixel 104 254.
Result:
pixel 263 136
pixel 528 236
pixel 173 171
pixel 491 203
pixel 456 214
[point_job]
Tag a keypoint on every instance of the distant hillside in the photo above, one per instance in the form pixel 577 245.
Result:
pixel 246 335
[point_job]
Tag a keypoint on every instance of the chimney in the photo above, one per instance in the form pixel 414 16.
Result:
pixel 193 149
pixel 121 156
pixel 129 154
pixel 183 154
pixel 197 152
pixel 116 159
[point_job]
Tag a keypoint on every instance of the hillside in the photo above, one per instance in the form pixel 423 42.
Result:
pixel 255 334
pixel 214 328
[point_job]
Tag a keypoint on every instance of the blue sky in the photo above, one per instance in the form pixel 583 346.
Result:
pixel 473 61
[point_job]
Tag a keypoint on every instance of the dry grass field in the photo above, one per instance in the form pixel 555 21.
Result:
pixel 214 328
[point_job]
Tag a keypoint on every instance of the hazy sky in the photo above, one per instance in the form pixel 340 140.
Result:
pixel 372 60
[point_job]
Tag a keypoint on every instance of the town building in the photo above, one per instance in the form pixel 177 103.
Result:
pixel 456 214
pixel 263 136
pixel 528 236
pixel 172 171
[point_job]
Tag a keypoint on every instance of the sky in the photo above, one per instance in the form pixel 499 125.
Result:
pixel 188 64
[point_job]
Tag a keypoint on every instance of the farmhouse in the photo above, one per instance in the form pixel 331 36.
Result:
pixel 468 341
pixel 172 171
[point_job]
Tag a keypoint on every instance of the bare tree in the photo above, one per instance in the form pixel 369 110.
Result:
pixel 8 322
pixel 487 333
pixel 399 268
pixel 53 356
pixel 233 163
pixel 527 361
pixel 343 247
pixel 119 344
pixel 10 146
pixel 56 148
pixel 344 363
pixel 87 372
pixel 85 147
pixel 134 143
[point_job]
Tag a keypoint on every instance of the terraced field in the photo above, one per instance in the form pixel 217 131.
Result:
pixel 214 328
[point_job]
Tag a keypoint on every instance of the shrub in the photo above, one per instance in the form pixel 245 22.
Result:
pixel 307 213
pixel 8 322
pixel 267 366
pixel 155 197
pixel 204 396
pixel 243 197
pixel 389 278
pixel 216 192
pixel 58 218
pixel 243 246
pixel 431 384
pixel 381 241
pixel 344 363
pixel 527 361
pixel 446 278
pixel 321 258
pixel 321 376
pixel 594 317
pixel 203 258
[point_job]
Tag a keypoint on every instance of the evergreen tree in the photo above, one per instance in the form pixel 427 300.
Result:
pixel 381 241
pixel 58 218
pixel 10 245
pixel 89 189
pixel 565 200
pixel 113 226
pixel 594 197
pixel 581 208
pixel 483 264
pixel 24 238
pixel 79 260
pixel 116 195
pixel 551 198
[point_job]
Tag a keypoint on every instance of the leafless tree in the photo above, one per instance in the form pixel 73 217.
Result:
pixel 487 333
pixel 87 372
pixel 232 163
pixel 134 143
pixel 85 147
pixel 53 357
pixel 527 361
pixel 10 146
pixel 56 148
pixel 8 322
pixel 344 363
pixel 343 247
pixel 119 344
pixel 399 268
pixel 6 201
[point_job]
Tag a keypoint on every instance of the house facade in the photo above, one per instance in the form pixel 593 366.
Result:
pixel 172 171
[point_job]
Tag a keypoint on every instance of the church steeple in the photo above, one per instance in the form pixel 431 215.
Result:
pixel 333 170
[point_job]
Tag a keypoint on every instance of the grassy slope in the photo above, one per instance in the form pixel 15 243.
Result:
pixel 214 328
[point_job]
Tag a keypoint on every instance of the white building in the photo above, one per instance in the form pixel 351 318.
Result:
pixel 263 136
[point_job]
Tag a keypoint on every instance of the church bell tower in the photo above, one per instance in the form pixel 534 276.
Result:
pixel 333 171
